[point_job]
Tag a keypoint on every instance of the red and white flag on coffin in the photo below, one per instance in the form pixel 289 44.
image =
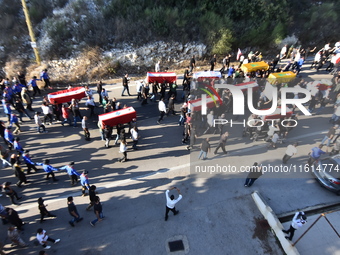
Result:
pixel 67 95
pixel 277 114
pixel 196 105
pixel 121 116
pixel 161 77
pixel 251 84
pixel 239 53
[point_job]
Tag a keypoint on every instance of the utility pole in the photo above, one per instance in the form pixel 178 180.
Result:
pixel 30 31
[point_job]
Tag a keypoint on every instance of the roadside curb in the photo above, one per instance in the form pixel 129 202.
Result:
pixel 274 223
pixel 310 210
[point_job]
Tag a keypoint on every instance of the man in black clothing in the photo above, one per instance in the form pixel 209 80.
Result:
pixel 222 142
pixel 192 63
pixel 43 211
pixel 276 61
pixel 22 79
pixel 126 84
pixel 99 91
pixel 92 196
pixel 213 63
pixel 205 148
pixel 73 211
pixel 98 210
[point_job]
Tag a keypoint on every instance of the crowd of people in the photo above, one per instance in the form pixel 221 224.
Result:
pixel 18 97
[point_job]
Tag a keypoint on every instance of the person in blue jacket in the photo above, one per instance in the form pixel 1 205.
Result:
pixel 7 108
pixel 48 169
pixel 14 120
pixel 9 137
pixel 17 146
pixel 29 163
pixel 71 172
pixel 33 83
pixel 44 77
pixel 84 181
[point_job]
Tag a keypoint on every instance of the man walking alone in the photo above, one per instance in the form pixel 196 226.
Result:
pixel 171 202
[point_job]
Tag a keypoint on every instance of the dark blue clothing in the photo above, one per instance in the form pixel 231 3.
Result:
pixel 27 159
pixel 44 75
pixel 33 82
pixel 14 119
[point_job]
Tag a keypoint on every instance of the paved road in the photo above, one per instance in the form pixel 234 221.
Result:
pixel 217 215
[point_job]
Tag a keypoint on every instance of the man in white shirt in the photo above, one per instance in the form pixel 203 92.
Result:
pixel 283 52
pixel 47 113
pixel 43 238
pixel 171 202
pixel 162 110
pixel 290 152
pixel 298 221
pixel 39 123
pixel 90 105
pixel 157 67
pixel 134 137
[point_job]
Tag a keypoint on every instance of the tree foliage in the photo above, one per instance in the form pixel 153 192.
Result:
pixel 63 26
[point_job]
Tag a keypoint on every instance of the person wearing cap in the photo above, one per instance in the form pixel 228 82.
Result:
pixel 29 163
pixel 43 238
pixel 171 202
pixel 298 221
pixel 48 169
pixel 84 181
pixel 73 174
pixel 43 211
pixel 72 209
pixel 330 135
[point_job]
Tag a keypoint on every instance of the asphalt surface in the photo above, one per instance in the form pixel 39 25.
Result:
pixel 216 216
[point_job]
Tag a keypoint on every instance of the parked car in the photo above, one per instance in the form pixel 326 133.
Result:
pixel 327 173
